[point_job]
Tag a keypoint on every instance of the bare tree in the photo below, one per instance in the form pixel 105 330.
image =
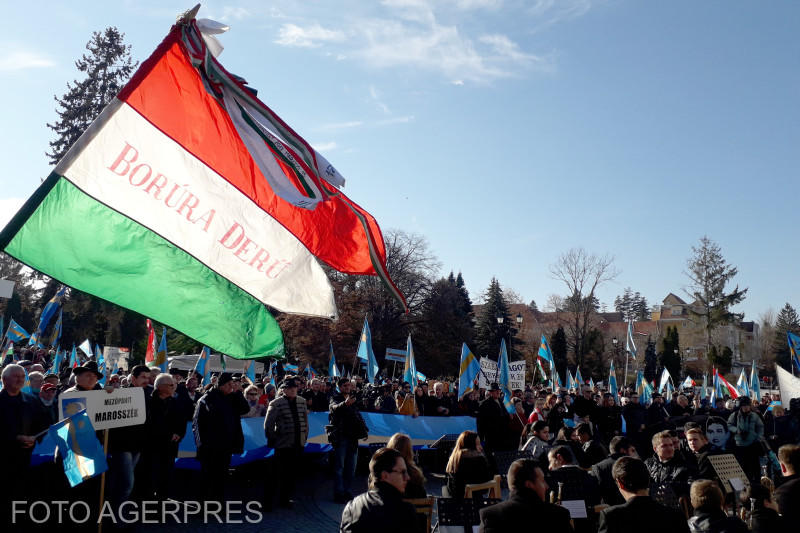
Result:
pixel 582 273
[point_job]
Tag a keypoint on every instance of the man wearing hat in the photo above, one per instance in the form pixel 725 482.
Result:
pixel 217 430
pixel 86 377
pixel 286 428
pixel 493 422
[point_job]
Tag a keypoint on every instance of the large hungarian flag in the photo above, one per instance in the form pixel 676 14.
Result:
pixel 163 208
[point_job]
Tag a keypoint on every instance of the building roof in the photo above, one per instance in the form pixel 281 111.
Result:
pixel 673 299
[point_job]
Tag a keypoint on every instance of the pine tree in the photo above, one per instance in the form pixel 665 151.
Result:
pixel 787 321
pixel 709 273
pixel 668 358
pixel 558 345
pixel 488 331
pixel 107 67
pixel 650 360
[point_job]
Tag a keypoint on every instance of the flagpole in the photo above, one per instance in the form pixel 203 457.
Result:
pixel 102 483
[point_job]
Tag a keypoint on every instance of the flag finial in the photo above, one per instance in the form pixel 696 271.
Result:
pixel 187 16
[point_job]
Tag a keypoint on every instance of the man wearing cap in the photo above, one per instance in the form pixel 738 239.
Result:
pixel 47 398
pixel 86 377
pixel 217 430
pixel 286 428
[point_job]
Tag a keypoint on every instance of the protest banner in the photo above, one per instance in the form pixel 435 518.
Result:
pixel 488 373
pixel 116 357
pixel 106 410
pixel 394 354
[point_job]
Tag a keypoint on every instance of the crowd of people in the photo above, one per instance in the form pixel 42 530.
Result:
pixel 626 462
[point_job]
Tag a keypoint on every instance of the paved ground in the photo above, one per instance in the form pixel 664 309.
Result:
pixel 314 512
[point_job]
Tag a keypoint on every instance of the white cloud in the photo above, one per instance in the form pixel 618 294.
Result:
pixel 324 147
pixel 396 120
pixel 376 97
pixel 340 125
pixel 24 59
pixel 8 208
pixel 457 82
pixel 478 4
pixel 552 12
pixel 309 37
pixel 234 13
pixel 506 48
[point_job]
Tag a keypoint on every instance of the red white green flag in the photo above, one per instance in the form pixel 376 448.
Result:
pixel 168 205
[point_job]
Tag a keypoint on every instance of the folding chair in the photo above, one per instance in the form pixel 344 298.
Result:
pixel 424 509
pixel 493 486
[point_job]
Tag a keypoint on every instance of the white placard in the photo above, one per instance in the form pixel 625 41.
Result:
pixel 114 355
pixel 576 508
pixel 489 374
pixel 6 288
pixel 106 410
pixel 736 483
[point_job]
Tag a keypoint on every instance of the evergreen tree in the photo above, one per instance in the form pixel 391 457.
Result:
pixel 632 306
pixel 650 360
pixel 787 321
pixel 558 345
pixel 532 307
pixel 709 273
pixel 446 323
pixel 668 358
pixel 107 67
pixel 488 331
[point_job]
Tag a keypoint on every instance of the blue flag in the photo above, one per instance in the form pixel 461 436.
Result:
pixel 161 353
pixel 578 377
pixel 544 351
pixel 630 344
pixel 250 370
pixel 743 384
pixel 755 385
pixel 202 367
pixel 310 371
pixel 48 312
pixel 86 347
pixel 410 367
pixel 78 446
pixel 794 348
pixel 56 361
pixel 612 381
pixel 704 391
pixel 469 369
pixel 624 426
pixel 365 352
pixel 73 357
pixel 291 368
pixel 504 377
pixel 333 370
pixel 365 343
pixel 16 332
pixel 57 329
pixel 101 364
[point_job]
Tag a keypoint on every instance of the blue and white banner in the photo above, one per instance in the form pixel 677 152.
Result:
pixel 423 431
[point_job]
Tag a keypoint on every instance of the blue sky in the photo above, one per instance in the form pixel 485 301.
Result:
pixel 504 131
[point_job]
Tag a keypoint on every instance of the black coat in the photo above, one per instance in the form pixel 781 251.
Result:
pixel 347 419
pixel 381 509
pixel 472 468
pixel 716 522
pixel 493 424
pixel 767 520
pixel 524 511
pixel 578 484
pixel 787 496
pixel 639 514
pixel 19 415
pixel 635 415
pixel 608 487
pixel 673 473
pixel 217 425
pixel 165 418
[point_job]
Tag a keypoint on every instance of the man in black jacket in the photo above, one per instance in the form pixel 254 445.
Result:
pixel 218 433
pixel 526 504
pixel 639 512
pixel 382 507
pixel 493 422
pixel 666 469
pixel 787 495
pixel 602 471
pixel 165 427
pixel 21 418
pixel 634 414
pixel 346 427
